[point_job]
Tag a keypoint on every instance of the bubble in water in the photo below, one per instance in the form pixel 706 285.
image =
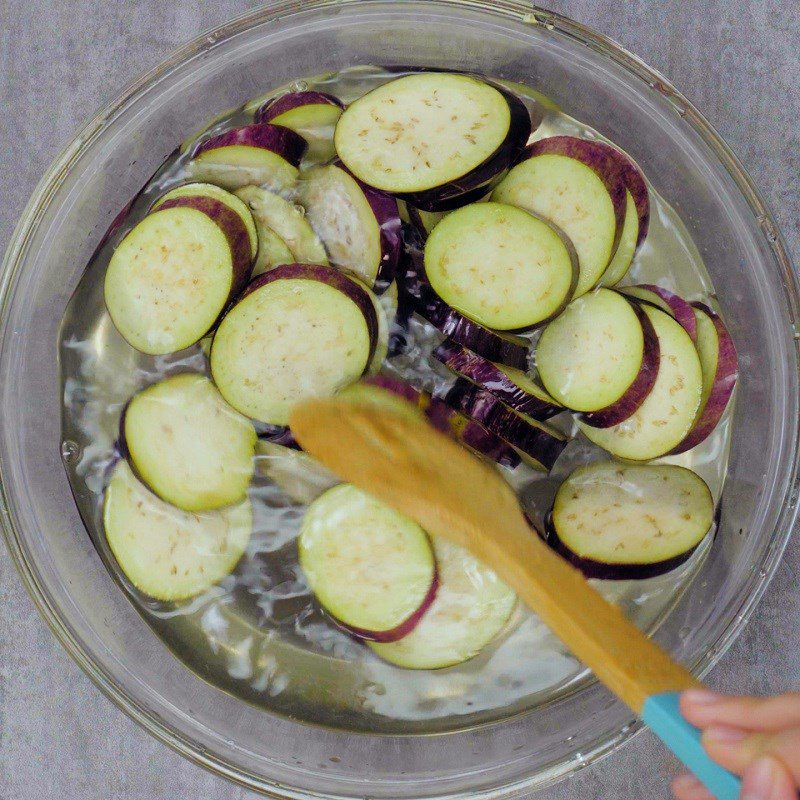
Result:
pixel 70 451
pixel 300 86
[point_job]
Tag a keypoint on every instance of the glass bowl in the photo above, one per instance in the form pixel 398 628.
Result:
pixel 590 78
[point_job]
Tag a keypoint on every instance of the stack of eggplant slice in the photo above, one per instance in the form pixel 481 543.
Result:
pixel 287 256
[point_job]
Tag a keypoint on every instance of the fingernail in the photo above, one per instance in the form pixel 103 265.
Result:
pixel 702 697
pixel 725 735
pixel 759 780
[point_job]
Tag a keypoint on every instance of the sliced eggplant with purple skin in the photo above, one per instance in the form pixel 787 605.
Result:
pixel 641 387
pixel 469 432
pixel 259 155
pixel 538 443
pixel 273 213
pixel 637 215
pixel 720 369
pixel 500 266
pixel 359 226
pixel 668 412
pixel 166 553
pixel 298 331
pixel 471 608
pixel 503 348
pixel 187 444
pixel 516 389
pixel 311 114
pixel 616 521
pixel 215 192
pixel 667 301
pixel 435 139
pixel 579 187
pixel 175 272
pixel 370 567
pixel 600 356
pixel 423 221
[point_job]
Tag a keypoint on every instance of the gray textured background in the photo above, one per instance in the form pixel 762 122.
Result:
pixel 60 61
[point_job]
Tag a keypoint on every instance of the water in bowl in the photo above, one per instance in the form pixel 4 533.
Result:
pixel 258 634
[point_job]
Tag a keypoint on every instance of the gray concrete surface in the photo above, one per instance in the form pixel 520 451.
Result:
pixel 62 59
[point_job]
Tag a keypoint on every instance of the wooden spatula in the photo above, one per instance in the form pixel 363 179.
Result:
pixel 434 480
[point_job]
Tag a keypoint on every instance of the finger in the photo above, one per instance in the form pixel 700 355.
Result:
pixel 736 749
pixel 767 779
pixel 687 787
pixel 702 708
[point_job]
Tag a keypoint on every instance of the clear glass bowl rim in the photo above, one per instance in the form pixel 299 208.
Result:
pixel 512 9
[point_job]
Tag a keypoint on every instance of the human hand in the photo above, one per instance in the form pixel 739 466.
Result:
pixel 754 737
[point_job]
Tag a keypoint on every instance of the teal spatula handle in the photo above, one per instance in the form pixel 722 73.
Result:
pixel 662 715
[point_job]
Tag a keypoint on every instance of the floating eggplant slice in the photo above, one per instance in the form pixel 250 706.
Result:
pixel 538 443
pixel 259 155
pixel 620 522
pixel 188 445
pixel 215 192
pixel 359 226
pixel 311 114
pixel 580 188
pixel 503 348
pixel 637 215
pixel 510 385
pixel 599 356
pixel 500 266
pixel 667 301
pixel 668 412
pixel 298 331
pixel 370 567
pixel 167 553
pixel 422 221
pixel 472 606
pixel 172 275
pixel 398 395
pixel 720 371
pixel 435 139
pixel 273 214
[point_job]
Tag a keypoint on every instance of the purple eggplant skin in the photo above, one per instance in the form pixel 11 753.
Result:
pixel 483 178
pixel 447 420
pixel 489 376
pixel 387 215
pixel 396 386
pixel 611 572
pixel 680 309
pixel 524 433
pixel 482 441
pixel 721 390
pixel 282 141
pixel 399 631
pixel 594 155
pixel 635 183
pixel 276 106
pixel 637 392
pixel 330 276
pixel 231 225
pixel 495 346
